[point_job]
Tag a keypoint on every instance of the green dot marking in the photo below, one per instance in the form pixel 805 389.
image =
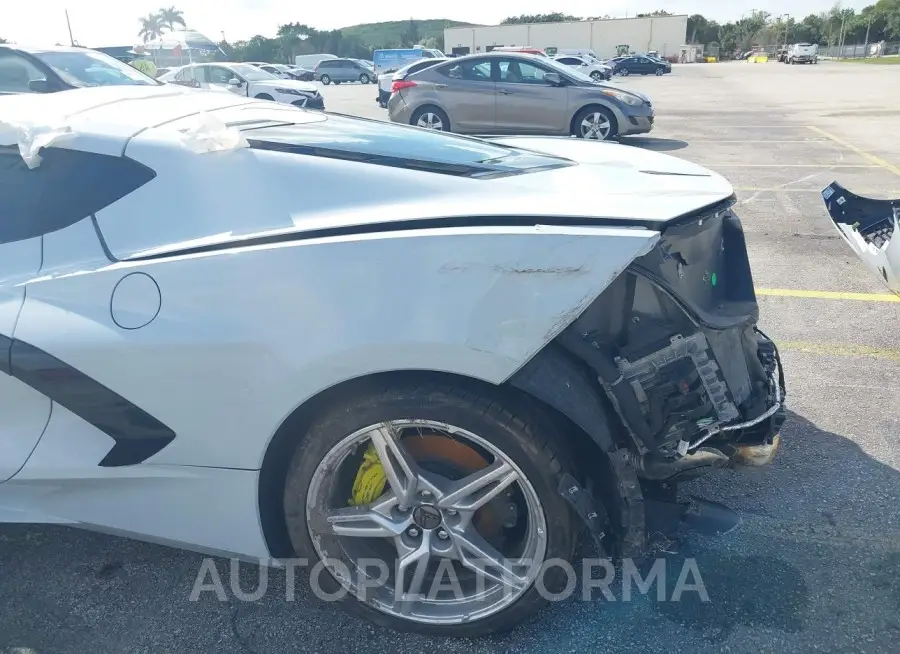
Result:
pixel 713 279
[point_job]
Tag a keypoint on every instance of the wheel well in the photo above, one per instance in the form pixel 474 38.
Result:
pixel 263 96
pixel 278 455
pixel 612 116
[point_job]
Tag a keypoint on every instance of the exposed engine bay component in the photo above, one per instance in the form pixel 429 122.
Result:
pixel 871 228
pixel 674 346
pixel 649 371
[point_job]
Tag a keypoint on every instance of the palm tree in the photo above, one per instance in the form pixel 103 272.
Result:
pixel 171 17
pixel 151 27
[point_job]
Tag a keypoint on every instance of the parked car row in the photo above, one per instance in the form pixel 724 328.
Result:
pixel 514 93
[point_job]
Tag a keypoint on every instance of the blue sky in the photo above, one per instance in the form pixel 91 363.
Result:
pixel 113 22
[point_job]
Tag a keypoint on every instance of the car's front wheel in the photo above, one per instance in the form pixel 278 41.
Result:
pixel 435 505
pixel 660 71
pixel 364 79
pixel 595 123
pixel 430 118
pixel 597 76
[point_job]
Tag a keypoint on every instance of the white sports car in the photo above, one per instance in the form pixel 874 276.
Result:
pixel 245 328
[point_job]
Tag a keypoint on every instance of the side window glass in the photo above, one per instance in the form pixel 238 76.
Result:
pixel 218 75
pixel 476 70
pixel 513 71
pixel 65 188
pixel 16 72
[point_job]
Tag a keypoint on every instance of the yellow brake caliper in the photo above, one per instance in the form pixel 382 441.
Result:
pixel 370 479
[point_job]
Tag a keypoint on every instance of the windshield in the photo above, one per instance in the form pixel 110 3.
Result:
pixel 362 62
pixel 90 68
pixel 372 141
pixel 252 73
pixel 281 67
pixel 567 71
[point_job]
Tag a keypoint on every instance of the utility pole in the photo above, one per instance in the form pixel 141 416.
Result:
pixel 868 27
pixel 69 25
pixel 841 40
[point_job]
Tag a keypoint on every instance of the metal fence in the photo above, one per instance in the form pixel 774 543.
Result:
pixel 881 49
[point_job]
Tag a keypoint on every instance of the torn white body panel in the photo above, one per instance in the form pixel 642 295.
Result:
pixel 871 228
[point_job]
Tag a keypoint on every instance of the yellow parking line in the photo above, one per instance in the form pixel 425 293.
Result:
pixel 829 295
pixel 877 161
pixel 839 349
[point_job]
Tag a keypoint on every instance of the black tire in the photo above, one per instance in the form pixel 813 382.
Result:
pixel 624 72
pixel 524 433
pixel 264 96
pixel 445 119
pixel 580 116
pixel 325 79
pixel 660 72
pixel 364 79
pixel 597 76
pixel 335 82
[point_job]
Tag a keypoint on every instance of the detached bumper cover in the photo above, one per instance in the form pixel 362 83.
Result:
pixel 871 228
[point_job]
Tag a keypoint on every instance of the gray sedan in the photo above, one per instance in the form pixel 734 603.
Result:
pixel 507 93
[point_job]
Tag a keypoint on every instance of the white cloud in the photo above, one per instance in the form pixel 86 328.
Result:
pixel 97 23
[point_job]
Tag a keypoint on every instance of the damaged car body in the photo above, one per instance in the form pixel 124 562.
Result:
pixel 871 228
pixel 487 347
pixel 672 350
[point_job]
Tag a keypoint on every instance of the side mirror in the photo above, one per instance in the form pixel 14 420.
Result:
pixel 234 81
pixel 553 79
pixel 40 86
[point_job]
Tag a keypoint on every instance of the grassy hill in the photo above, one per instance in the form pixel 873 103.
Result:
pixel 391 32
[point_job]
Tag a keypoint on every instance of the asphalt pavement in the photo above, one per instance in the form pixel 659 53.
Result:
pixel 815 565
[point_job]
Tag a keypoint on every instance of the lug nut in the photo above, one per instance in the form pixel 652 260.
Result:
pixel 412 532
pixel 426 493
pixel 451 511
pixel 443 535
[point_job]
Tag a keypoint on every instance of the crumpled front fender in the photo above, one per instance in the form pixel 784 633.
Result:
pixel 871 228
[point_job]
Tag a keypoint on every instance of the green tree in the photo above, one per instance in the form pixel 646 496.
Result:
pixel 169 18
pixel 555 17
pixel 151 27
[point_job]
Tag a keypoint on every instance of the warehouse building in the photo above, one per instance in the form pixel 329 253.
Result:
pixel 664 34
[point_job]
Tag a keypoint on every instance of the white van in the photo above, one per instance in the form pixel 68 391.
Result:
pixel 310 61
pixel 802 53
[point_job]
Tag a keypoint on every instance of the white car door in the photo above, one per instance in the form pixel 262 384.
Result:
pixel 24 412
pixel 218 77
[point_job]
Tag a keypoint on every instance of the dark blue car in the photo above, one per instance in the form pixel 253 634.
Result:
pixel 642 65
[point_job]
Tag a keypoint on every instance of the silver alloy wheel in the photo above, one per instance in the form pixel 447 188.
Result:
pixel 597 76
pixel 422 519
pixel 430 120
pixel 595 125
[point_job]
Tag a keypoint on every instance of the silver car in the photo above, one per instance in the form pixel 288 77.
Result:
pixel 511 93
